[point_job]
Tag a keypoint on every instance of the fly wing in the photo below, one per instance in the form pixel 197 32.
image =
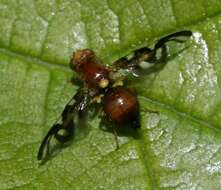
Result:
pixel 45 145
pixel 179 37
pixel 133 63
pixel 63 131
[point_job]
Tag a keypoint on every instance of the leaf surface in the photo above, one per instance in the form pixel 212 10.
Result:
pixel 176 149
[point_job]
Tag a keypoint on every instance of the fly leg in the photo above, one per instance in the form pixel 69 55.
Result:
pixel 116 137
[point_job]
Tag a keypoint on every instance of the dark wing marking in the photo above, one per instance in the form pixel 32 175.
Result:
pixel 63 132
pixel 150 55
pixel 177 37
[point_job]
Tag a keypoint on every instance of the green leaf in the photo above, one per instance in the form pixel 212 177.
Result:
pixel 176 149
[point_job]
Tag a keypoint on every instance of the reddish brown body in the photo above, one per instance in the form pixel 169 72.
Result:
pixel 85 63
pixel 121 105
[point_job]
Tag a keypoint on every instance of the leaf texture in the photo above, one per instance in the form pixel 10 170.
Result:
pixel 177 149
